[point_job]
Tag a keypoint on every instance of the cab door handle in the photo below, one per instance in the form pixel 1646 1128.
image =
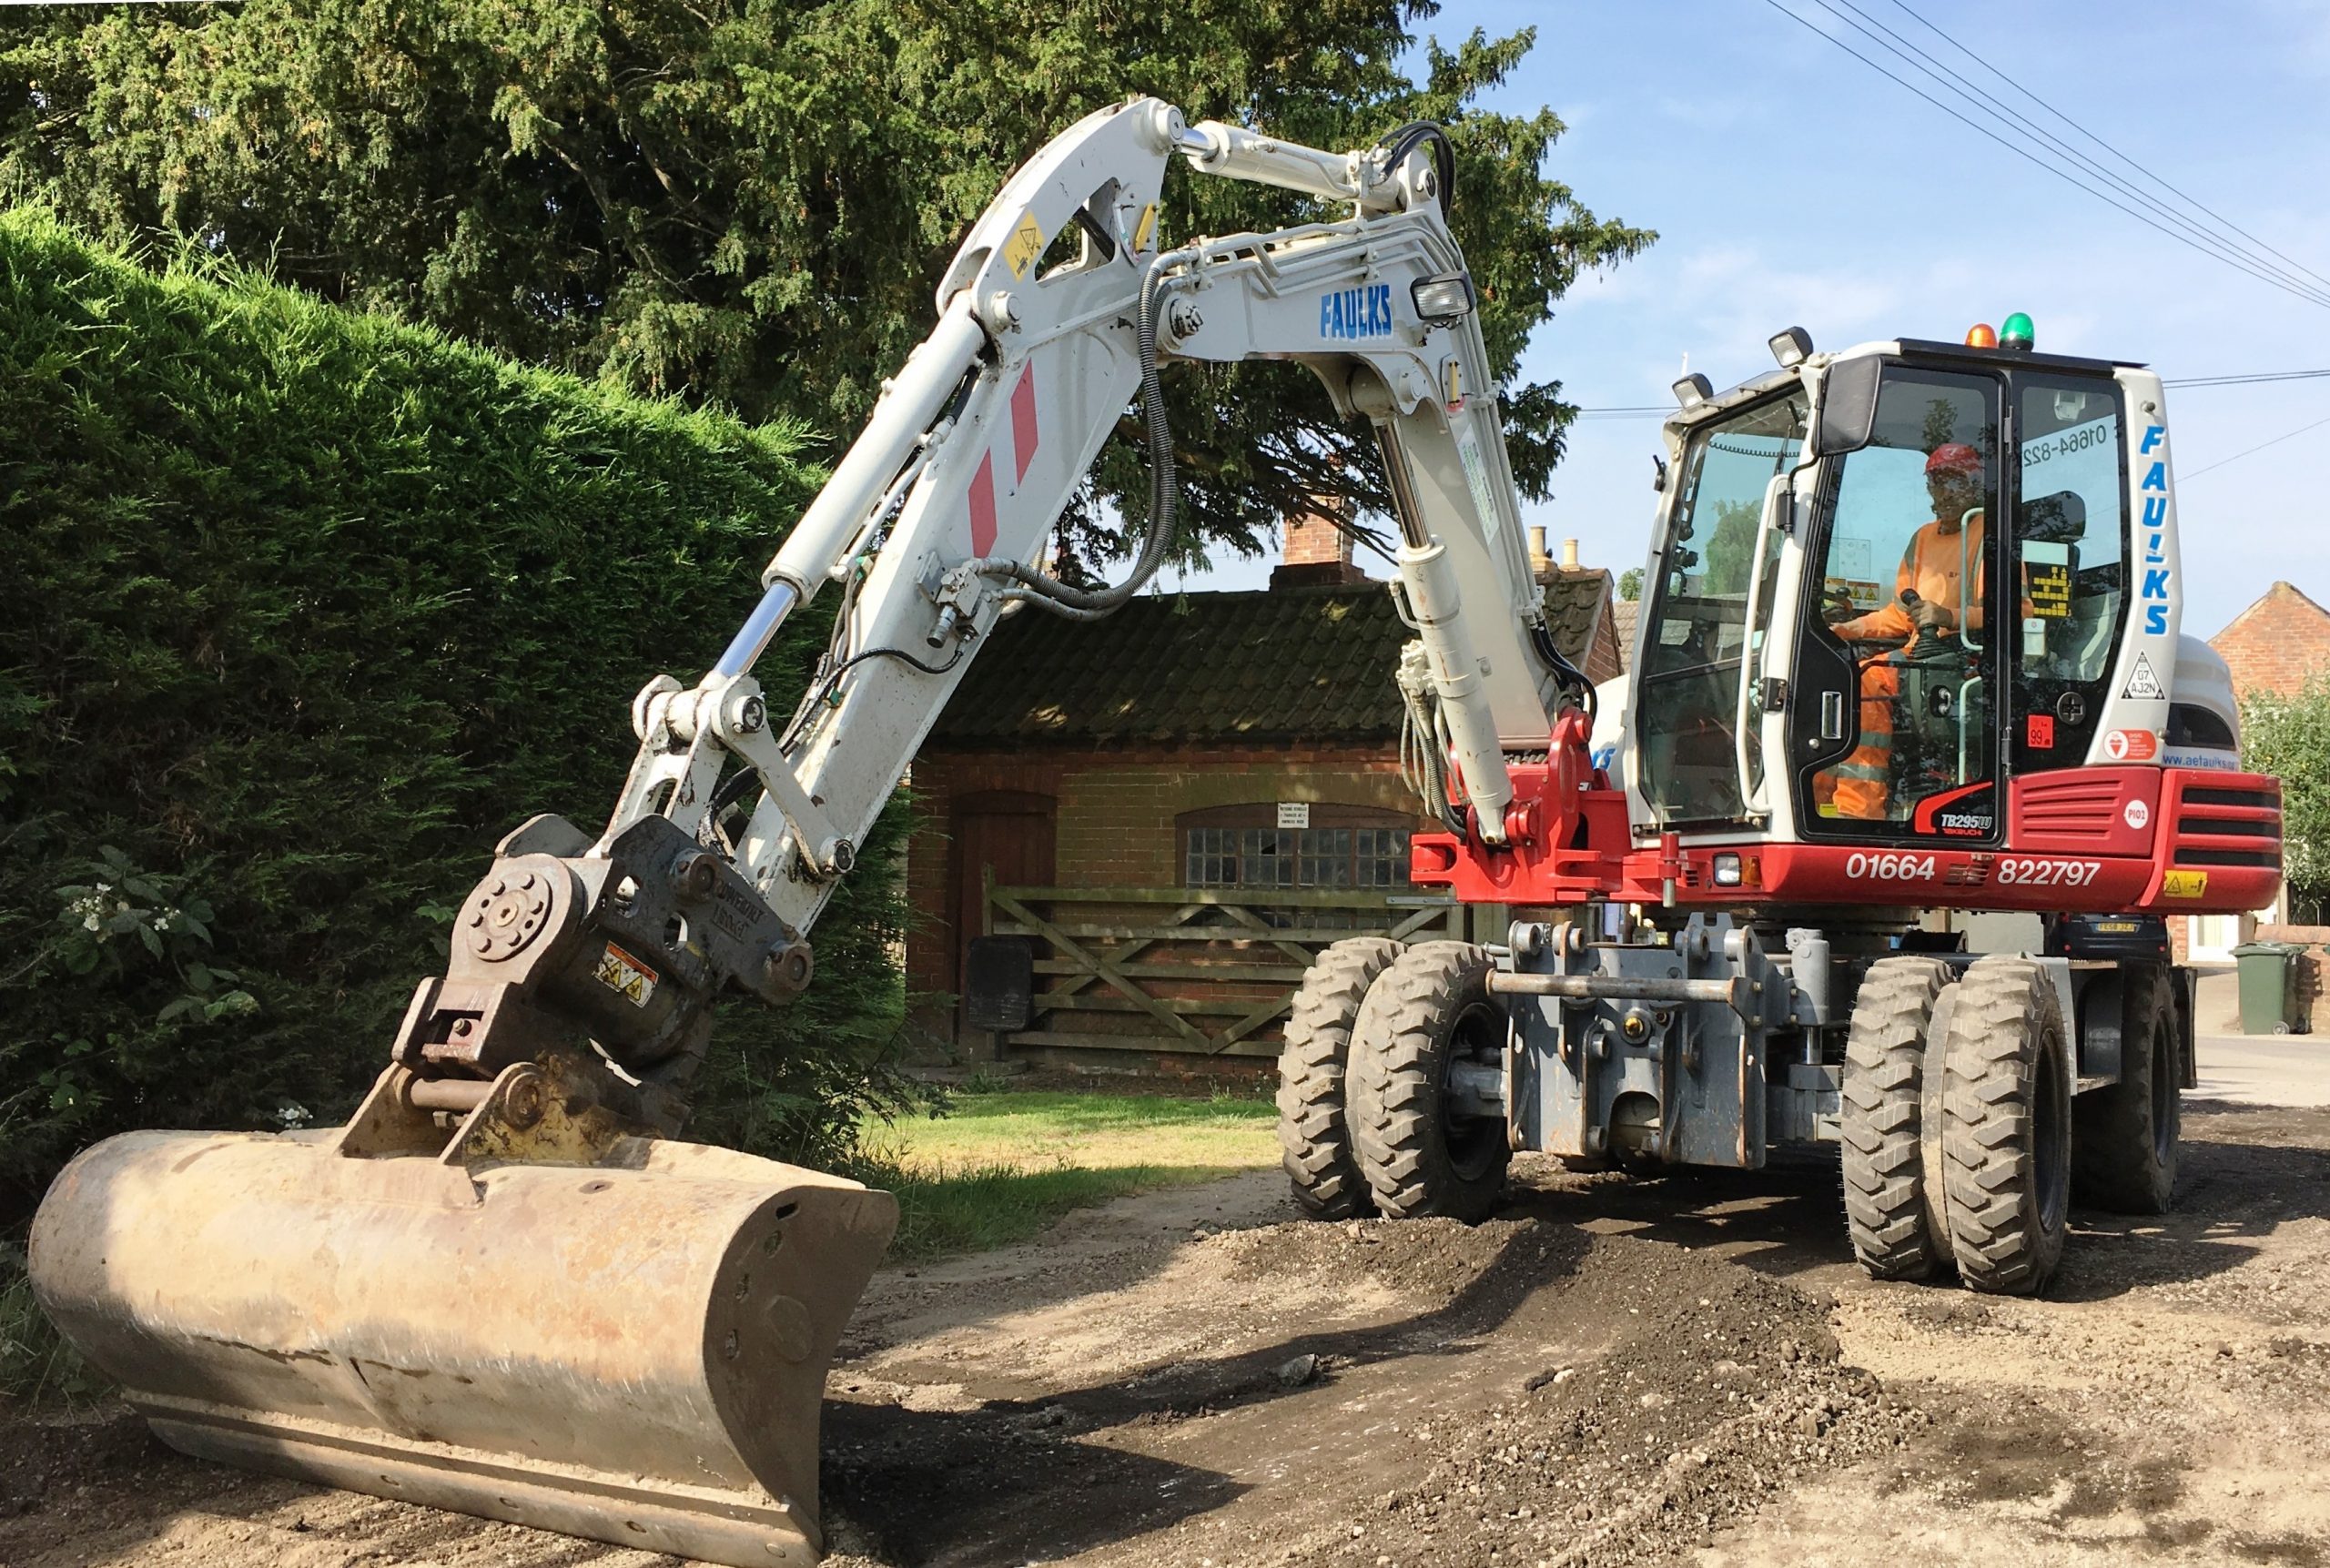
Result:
pixel 1832 715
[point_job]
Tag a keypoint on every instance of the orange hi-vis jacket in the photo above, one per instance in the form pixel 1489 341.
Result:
pixel 1930 565
pixel 1862 786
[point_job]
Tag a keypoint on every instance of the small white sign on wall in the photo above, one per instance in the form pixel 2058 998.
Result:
pixel 1294 813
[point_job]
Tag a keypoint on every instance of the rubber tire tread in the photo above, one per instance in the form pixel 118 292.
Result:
pixel 2115 1165
pixel 1314 1130
pixel 2007 1030
pixel 1882 1118
pixel 1397 1047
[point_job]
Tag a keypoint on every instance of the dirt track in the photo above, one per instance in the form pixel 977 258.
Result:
pixel 1614 1372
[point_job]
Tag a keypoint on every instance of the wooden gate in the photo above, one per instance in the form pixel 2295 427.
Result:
pixel 1202 970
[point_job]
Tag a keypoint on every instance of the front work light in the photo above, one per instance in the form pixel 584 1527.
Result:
pixel 1727 871
pixel 1693 389
pixel 1791 346
pixel 1442 300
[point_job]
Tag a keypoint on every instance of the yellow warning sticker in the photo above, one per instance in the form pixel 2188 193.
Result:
pixel 625 975
pixel 1026 244
pixel 1145 231
pixel 2184 884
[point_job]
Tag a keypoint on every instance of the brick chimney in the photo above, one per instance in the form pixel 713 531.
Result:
pixel 1316 554
pixel 1545 567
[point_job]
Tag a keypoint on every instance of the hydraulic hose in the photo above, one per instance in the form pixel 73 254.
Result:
pixel 1408 137
pixel 1065 599
pixel 1571 677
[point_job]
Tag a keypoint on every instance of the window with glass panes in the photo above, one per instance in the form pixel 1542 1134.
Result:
pixel 1344 847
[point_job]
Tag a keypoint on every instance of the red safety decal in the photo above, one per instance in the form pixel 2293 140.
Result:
pixel 1023 422
pixel 983 506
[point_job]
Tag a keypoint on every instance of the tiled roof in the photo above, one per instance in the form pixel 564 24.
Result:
pixel 1574 600
pixel 1289 663
pixel 1623 615
pixel 1574 607
pixel 1308 663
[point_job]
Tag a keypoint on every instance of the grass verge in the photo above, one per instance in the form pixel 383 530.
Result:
pixel 999 1168
pixel 37 1366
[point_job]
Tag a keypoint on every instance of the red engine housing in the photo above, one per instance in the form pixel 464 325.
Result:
pixel 2100 840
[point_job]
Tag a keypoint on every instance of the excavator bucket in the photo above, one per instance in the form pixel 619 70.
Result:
pixel 618 1337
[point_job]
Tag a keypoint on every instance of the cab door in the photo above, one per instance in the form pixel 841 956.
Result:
pixel 1698 750
pixel 2070 544
pixel 1893 729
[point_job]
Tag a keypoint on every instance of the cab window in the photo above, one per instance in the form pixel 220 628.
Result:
pixel 2070 547
pixel 1701 641
pixel 1901 595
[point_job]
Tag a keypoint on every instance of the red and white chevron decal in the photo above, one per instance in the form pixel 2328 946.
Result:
pixel 981 499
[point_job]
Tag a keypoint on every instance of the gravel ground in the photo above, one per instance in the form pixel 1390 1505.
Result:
pixel 1684 1371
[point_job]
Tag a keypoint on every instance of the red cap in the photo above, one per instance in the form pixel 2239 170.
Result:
pixel 1954 457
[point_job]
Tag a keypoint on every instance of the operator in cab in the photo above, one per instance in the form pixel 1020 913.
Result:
pixel 1930 602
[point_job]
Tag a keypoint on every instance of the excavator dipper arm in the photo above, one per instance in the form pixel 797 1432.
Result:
pixel 933 523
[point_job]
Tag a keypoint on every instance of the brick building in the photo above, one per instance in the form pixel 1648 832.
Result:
pixel 2276 643
pixel 1204 788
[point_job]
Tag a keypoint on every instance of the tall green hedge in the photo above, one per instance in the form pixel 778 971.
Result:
pixel 304 609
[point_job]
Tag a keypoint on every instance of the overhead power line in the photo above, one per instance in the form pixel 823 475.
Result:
pixel 2241 380
pixel 2261 446
pixel 2220 250
pixel 2216 236
pixel 1646 411
pixel 2107 147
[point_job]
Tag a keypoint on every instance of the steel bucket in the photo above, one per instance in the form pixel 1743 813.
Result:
pixel 632 1351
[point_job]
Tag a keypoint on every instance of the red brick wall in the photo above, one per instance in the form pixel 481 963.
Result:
pixel 1114 818
pixel 2277 642
pixel 1312 539
pixel 1606 659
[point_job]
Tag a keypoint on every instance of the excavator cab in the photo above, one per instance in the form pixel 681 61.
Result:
pixel 1896 589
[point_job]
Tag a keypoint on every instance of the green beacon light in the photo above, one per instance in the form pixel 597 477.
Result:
pixel 2015 333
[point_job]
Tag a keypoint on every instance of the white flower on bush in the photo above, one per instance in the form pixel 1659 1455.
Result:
pixel 291 1115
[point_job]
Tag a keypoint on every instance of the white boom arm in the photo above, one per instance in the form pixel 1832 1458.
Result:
pixel 937 515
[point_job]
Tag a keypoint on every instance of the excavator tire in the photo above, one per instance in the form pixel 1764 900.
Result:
pixel 1430 1009
pixel 2124 1137
pixel 2006 1132
pixel 1313 1131
pixel 1882 1118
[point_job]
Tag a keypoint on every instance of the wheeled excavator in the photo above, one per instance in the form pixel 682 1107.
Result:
pixel 1861 702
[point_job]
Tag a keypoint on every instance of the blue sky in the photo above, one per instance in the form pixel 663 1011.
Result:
pixel 1791 185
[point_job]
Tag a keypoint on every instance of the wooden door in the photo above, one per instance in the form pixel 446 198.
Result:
pixel 1007 833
